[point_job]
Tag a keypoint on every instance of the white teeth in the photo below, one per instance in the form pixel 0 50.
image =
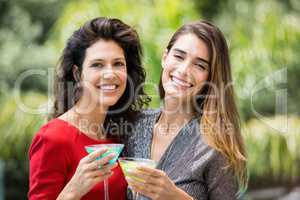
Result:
pixel 180 82
pixel 108 87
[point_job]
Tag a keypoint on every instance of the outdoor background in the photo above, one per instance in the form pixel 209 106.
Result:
pixel 264 41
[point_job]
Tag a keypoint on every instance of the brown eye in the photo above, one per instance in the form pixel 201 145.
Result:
pixel 178 57
pixel 119 64
pixel 97 65
pixel 200 66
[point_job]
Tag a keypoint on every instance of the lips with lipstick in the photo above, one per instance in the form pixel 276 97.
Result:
pixel 180 82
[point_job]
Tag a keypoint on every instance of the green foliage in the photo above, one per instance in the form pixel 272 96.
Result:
pixel 264 40
pixel 210 8
pixel 16 131
pixel 273 146
pixel 16 126
pixel 23 29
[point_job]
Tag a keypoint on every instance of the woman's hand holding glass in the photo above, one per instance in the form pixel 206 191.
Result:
pixel 89 172
pixel 155 185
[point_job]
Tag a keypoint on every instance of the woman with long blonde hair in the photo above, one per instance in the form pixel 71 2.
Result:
pixel 195 137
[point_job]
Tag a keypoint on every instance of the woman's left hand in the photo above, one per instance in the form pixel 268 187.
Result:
pixel 155 185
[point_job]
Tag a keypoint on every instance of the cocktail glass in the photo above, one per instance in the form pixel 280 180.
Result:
pixel 129 164
pixel 111 148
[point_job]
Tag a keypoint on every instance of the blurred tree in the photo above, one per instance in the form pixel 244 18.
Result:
pixel 264 38
pixel 17 126
pixel 210 9
pixel 24 26
pixel 273 147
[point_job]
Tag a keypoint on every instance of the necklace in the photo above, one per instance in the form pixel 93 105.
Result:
pixel 165 155
pixel 169 132
pixel 92 130
pixel 164 134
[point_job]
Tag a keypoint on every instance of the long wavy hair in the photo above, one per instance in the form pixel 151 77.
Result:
pixel 219 122
pixel 67 88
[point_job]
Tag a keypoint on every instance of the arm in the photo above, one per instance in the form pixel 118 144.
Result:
pixel 48 167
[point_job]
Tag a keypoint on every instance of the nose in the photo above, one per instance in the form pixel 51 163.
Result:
pixel 108 73
pixel 183 67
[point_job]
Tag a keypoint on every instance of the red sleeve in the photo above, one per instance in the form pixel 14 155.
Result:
pixel 48 166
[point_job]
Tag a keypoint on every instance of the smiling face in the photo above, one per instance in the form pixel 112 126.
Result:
pixel 185 67
pixel 104 74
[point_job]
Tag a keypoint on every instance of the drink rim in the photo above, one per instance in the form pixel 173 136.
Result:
pixel 104 145
pixel 137 159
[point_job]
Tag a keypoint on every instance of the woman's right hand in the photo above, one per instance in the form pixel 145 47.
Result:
pixel 87 175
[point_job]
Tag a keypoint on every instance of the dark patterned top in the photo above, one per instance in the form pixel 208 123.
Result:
pixel 193 166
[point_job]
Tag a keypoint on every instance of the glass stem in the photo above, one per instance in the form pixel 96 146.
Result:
pixel 106 191
pixel 135 195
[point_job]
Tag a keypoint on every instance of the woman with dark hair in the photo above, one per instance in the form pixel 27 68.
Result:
pixel 99 73
pixel 195 137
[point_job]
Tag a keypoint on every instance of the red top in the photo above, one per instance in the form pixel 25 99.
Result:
pixel 54 155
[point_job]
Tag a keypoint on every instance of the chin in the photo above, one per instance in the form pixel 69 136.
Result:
pixel 107 102
pixel 180 94
pixel 177 94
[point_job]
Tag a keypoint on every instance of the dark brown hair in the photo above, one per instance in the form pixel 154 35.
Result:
pixel 220 122
pixel 67 90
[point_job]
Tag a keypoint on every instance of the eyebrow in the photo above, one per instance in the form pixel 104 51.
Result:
pixel 102 60
pixel 184 53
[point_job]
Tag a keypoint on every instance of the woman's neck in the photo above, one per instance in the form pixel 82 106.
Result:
pixel 176 113
pixel 94 115
pixel 88 120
